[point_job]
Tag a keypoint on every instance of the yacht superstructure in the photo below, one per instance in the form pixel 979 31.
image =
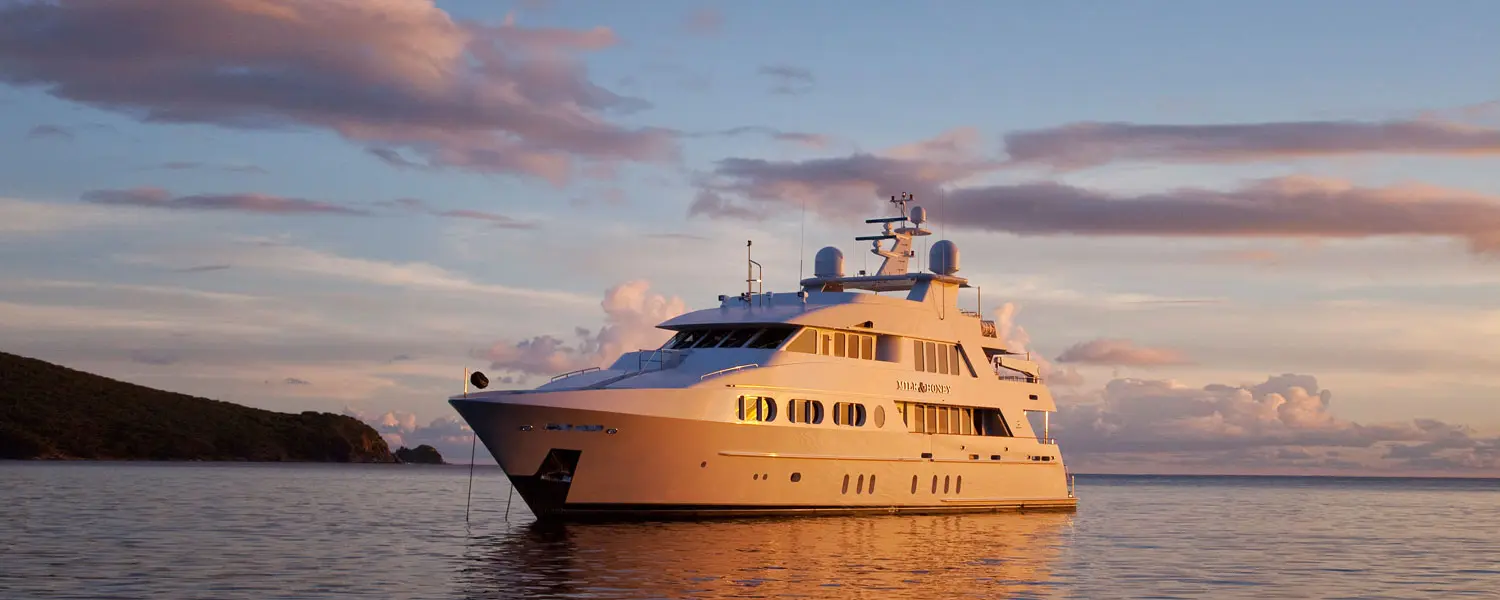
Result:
pixel 839 398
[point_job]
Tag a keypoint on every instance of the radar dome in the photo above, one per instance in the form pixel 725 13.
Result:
pixel 943 258
pixel 829 263
pixel 918 215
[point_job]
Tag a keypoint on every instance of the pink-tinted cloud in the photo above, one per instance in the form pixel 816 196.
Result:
pixel 497 220
pixel 1280 423
pixel 788 79
pixel 387 73
pixel 1293 207
pixel 1084 145
pixel 839 186
pixel 252 203
pixel 631 312
pixel 811 140
pixel 1118 352
pixel 704 21
pixel 1281 207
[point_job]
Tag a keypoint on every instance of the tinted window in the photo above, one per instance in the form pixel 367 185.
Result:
pixel 686 339
pixel 713 338
pixel 771 338
pixel 738 338
pixel 805 343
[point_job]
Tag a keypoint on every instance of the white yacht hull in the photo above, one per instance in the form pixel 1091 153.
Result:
pixel 571 457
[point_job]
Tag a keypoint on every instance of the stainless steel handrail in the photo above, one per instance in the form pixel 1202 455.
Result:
pixel 572 373
pixel 723 371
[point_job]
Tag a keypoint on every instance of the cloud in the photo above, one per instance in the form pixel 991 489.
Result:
pixel 495 220
pixel 788 79
pixel 1013 337
pixel 751 188
pixel 202 268
pixel 448 434
pixel 253 203
pixel 1290 207
pixel 704 21
pixel 49 132
pixel 1285 418
pixel 30 218
pixel 191 165
pixel 677 236
pixel 1294 207
pixel 384 73
pixel 631 313
pixel 812 140
pixel 1090 144
pixel 271 256
pixel 1120 353
pixel 155 356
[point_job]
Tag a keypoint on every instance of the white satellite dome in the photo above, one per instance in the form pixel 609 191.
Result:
pixel 829 262
pixel 943 258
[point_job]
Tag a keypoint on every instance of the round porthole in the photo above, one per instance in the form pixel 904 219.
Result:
pixel 880 416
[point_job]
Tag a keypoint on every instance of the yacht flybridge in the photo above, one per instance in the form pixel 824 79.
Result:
pixel 833 399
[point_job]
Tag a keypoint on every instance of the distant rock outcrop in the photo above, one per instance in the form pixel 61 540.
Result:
pixel 50 411
pixel 423 454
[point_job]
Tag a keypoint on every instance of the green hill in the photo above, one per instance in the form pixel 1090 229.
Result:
pixel 50 411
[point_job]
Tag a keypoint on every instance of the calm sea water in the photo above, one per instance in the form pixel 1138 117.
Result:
pixel 135 530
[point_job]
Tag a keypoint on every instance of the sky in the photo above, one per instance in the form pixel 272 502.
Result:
pixel 1241 238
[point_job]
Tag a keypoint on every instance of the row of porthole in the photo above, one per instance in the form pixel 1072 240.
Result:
pixel 859 486
pixel 764 409
pixel 947 479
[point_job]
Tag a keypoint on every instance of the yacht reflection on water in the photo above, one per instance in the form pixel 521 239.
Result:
pixel 937 556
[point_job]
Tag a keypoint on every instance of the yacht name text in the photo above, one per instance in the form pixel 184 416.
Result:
pixel 923 387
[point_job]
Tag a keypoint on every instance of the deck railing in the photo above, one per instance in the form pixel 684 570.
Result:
pixel 572 373
pixel 723 371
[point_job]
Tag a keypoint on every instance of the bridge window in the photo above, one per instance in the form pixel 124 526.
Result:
pixel 770 338
pixel 843 344
pixel 738 338
pixel 712 338
pixel 806 342
pixel 756 408
pixel 687 338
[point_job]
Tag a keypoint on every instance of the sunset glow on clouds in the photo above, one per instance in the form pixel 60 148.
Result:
pixel 1229 255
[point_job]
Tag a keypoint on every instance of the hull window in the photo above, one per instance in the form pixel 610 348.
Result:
pixel 859 488
pixel 958 487
pixel 849 413
pixel 913 484
pixel 945 484
pixel 880 416
pixel 805 411
pixel 846 484
pixel 872 484
pixel 757 409
pixel 934 484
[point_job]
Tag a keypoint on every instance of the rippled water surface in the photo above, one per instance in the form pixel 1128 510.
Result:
pixel 133 530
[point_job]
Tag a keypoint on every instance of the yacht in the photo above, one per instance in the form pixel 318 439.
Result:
pixel 865 393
